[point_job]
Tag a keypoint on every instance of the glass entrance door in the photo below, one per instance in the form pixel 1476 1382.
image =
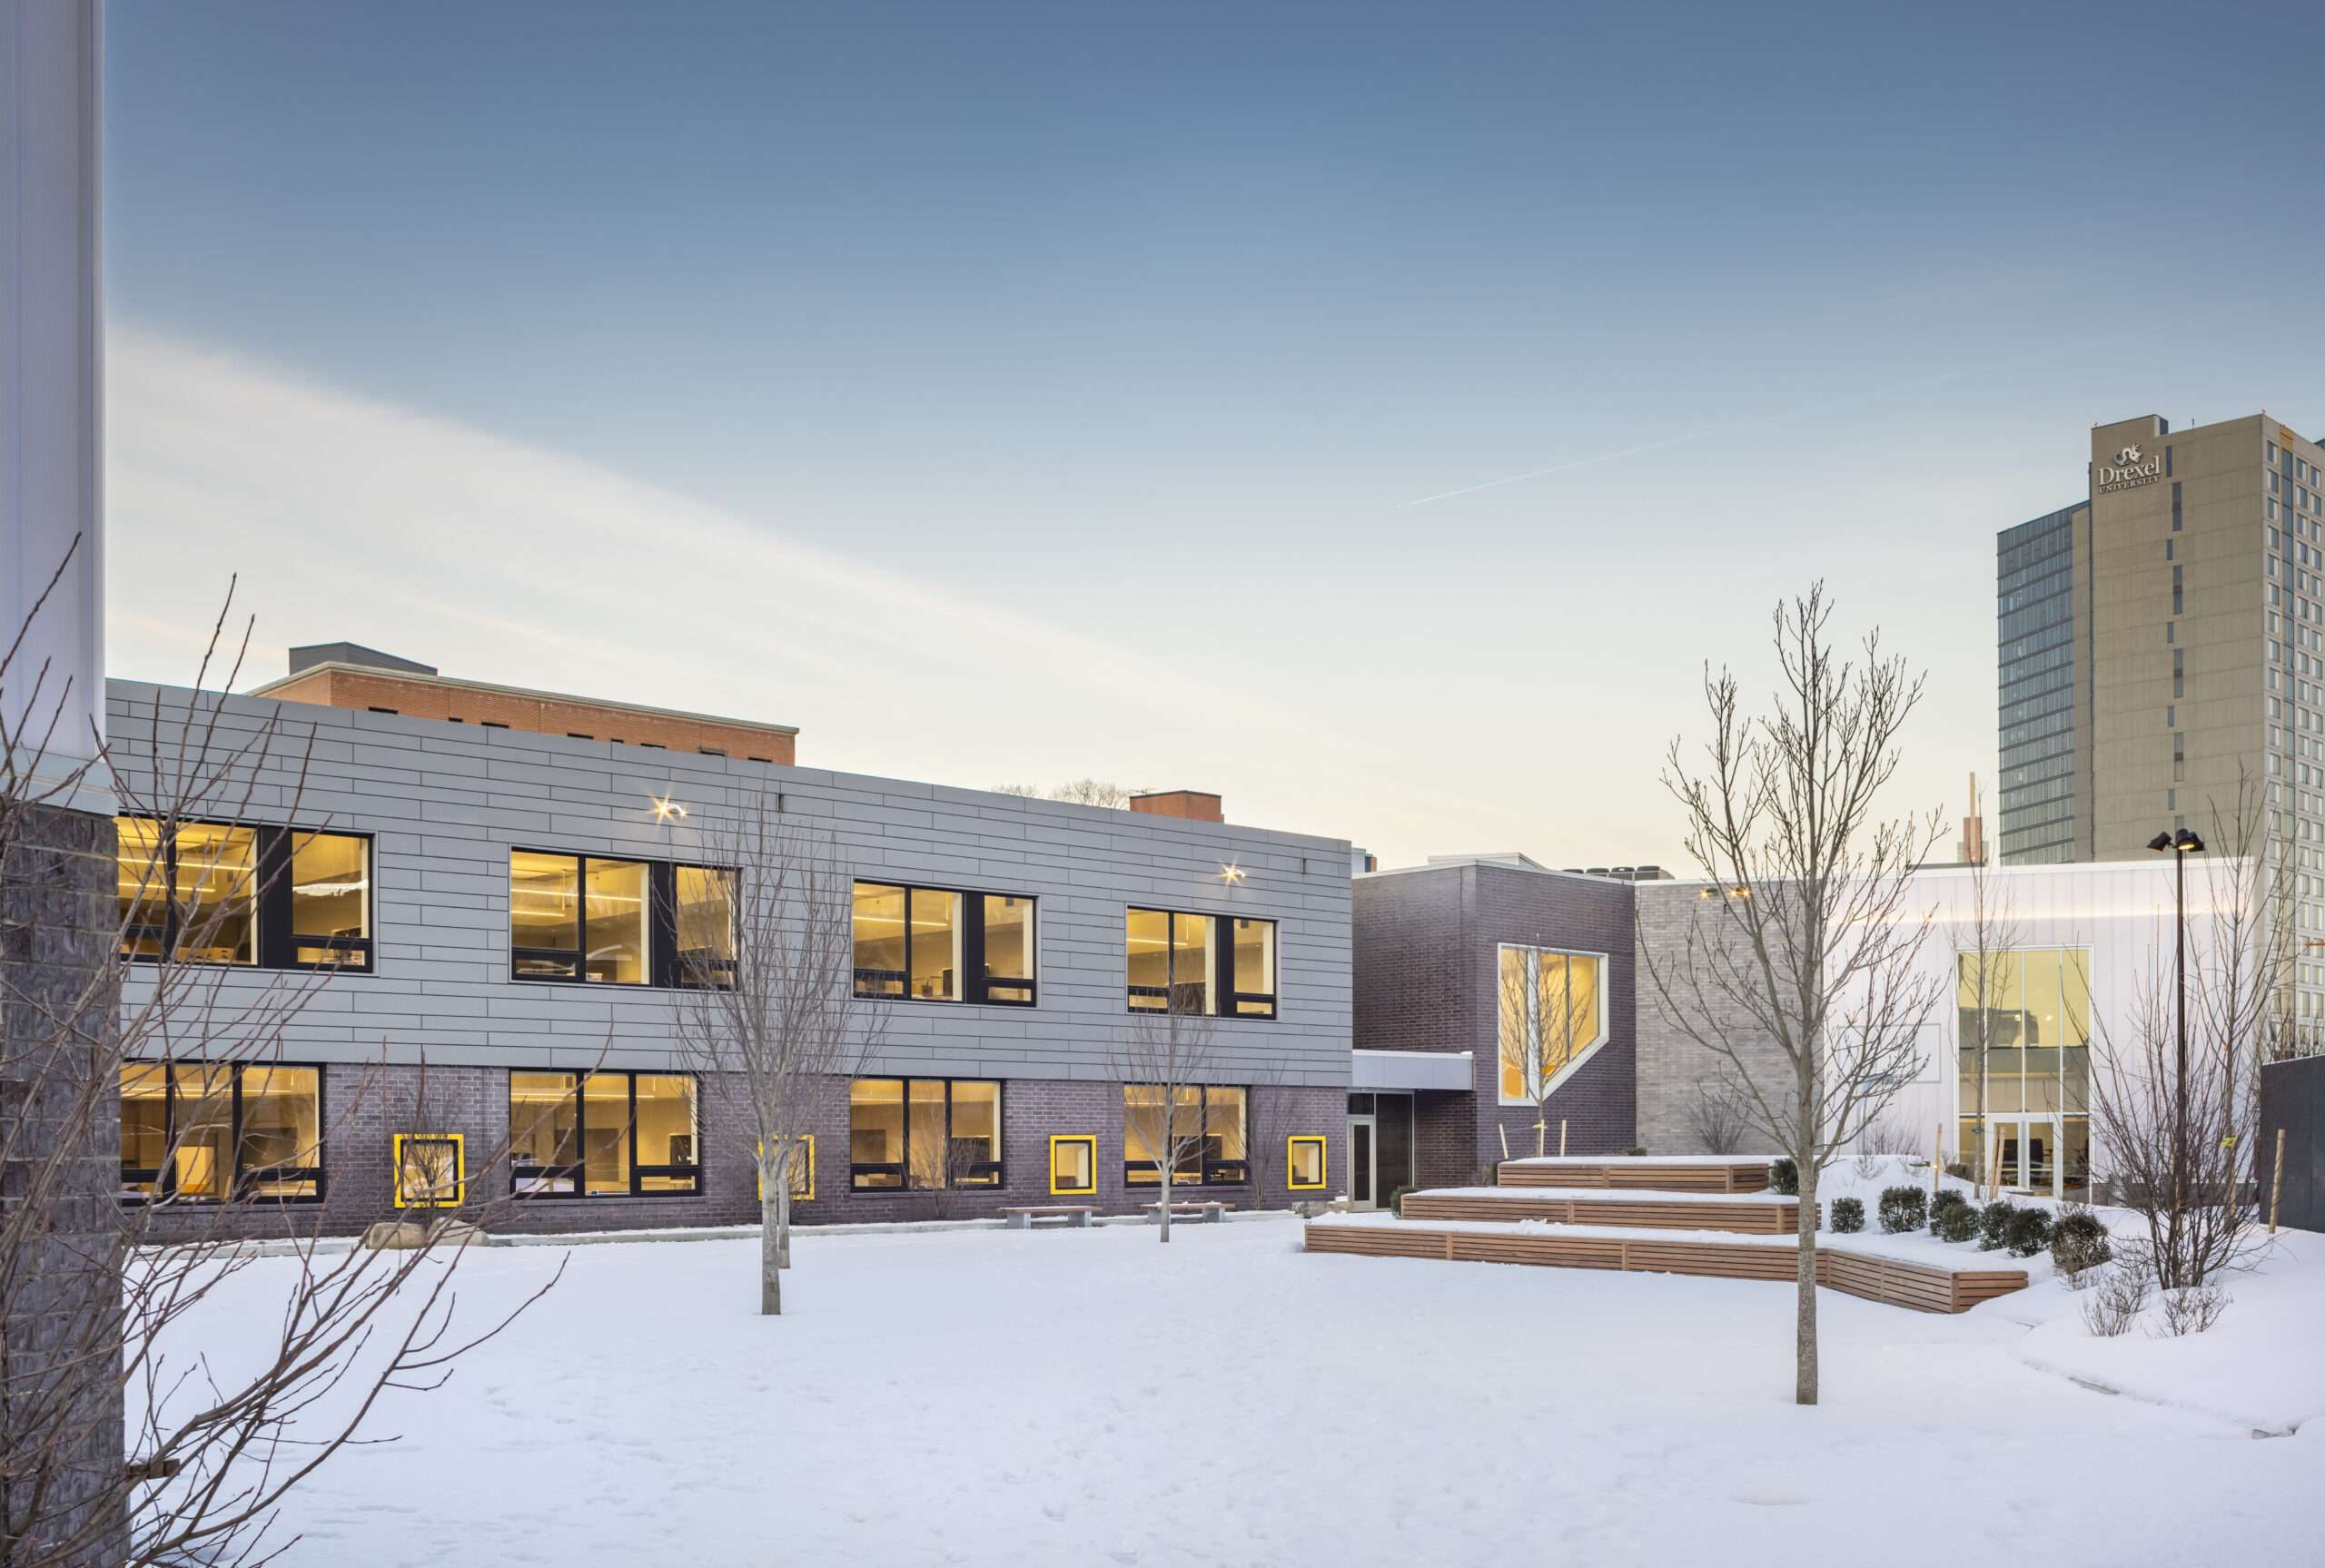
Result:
pixel 2026 1153
pixel 1360 1159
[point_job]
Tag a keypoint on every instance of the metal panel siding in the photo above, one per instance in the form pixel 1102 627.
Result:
pixel 446 802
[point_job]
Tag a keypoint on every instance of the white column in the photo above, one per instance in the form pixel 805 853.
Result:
pixel 51 393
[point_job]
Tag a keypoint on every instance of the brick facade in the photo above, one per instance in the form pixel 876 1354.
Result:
pixel 537 713
pixel 1426 950
pixel 365 1107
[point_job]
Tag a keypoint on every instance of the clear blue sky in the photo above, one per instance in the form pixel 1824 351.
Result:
pixel 1020 391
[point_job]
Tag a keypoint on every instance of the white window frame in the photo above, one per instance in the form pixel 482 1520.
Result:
pixel 1534 1015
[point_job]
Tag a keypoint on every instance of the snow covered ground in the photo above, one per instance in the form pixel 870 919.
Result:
pixel 1079 1397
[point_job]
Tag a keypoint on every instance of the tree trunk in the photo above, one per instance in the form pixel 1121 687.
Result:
pixel 1804 1329
pixel 783 1217
pixel 772 1183
pixel 1163 1213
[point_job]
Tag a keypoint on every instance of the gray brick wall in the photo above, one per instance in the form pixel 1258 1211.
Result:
pixel 1672 1068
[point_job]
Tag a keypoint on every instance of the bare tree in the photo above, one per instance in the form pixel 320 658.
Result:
pixel 1081 792
pixel 2173 1097
pixel 1271 1120
pixel 1798 971
pixel 1986 980
pixel 1550 1012
pixel 1714 1119
pixel 770 1006
pixel 116 1283
pixel 1163 1060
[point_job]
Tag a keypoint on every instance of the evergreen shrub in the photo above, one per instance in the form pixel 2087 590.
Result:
pixel 1848 1215
pixel 1994 1225
pixel 1955 1221
pixel 1784 1178
pixel 1948 1198
pixel 2028 1232
pixel 1903 1208
pixel 2079 1243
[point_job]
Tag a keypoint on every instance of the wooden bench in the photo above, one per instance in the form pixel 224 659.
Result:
pixel 1200 1213
pixel 1924 1287
pixel 1074 1216
pixel 1775 1217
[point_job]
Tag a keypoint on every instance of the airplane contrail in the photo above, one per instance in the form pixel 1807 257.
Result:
pixel 1771 419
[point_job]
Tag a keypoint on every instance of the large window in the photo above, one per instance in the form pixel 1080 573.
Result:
pixel 2025 1109
pixel 213 892
pixel 932 944
pixel 1199 1131
pixel 603 1135
pixel 204 1131
pixel 906 1133
pixel 597 918
pixel 1177 964
pixel 1553 1018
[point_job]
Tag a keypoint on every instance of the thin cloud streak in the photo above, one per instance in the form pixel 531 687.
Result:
pixel 1771 418
pixel 347 516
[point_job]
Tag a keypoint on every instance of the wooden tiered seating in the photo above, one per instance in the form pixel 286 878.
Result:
pixel 1638 1175
pixel 1924 1287
pixel 1777 1216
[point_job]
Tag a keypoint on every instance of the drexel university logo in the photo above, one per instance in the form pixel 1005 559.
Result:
pixel 2127 458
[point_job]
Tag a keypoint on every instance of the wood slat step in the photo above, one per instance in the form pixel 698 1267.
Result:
pixel 1641 1176
pixel 1923 1287
pixel 1777 1216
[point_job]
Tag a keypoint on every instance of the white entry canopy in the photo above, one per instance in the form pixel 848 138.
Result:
pixel 1372 1070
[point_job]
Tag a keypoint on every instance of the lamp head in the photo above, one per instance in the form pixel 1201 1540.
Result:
pixel 2160 843
pixel 2188 842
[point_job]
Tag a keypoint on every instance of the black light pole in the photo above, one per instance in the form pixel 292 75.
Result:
pixel 2181 844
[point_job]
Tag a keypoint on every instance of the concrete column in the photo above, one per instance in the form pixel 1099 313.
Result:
pixel 57 1016
pixel 52 363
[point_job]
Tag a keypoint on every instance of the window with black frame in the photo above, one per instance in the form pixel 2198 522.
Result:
pixel 604 920
pixel 940 944
pixel 1200 963
pixel 206 1131
pixel 603 1135
pixel 1201 1134
pixel 907 1134
pixel 220 892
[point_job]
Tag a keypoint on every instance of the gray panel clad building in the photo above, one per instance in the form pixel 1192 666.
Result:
pixel 474 893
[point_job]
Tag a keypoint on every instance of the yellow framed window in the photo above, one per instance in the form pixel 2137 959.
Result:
pixel 803 1171
pixel 1303 1163
pixel 1073 1164
pixel 430 1170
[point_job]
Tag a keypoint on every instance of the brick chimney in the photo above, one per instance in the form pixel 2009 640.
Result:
pixel 1193 804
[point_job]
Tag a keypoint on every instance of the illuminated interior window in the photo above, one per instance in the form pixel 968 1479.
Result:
pixel 607 922
pixel 905 1134
pixel 1174 963
pixel 608 1134
pixel 330 899
pixel 208 893
pixel 931 944
pixel 1073 1164
pixel 2023 1067
pixel 1551 1018
pixel 1200 1134
pixel 1303 1162
pixel 194 1132
pixel 703 926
